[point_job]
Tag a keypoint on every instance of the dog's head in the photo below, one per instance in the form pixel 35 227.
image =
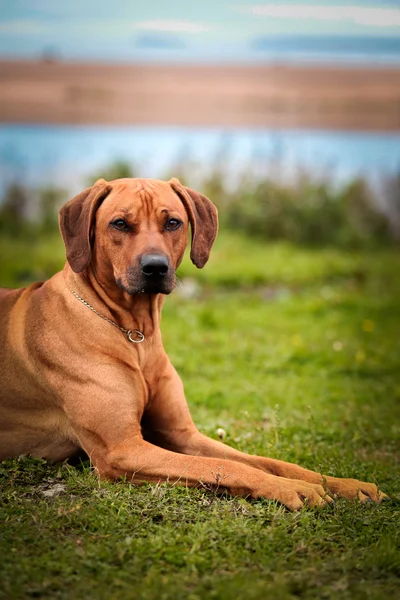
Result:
pixel 135 231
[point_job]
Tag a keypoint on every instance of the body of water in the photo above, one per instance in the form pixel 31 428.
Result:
pixel 67 156
pixel 339 49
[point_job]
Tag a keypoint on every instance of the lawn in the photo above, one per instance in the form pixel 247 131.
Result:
pixel 295 353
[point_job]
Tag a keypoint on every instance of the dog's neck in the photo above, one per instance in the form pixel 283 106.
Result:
pixel 140 311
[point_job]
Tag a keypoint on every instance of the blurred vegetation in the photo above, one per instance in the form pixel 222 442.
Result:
pixel 13 209
pixel 304 211
pixel 116 170
pixel 30 212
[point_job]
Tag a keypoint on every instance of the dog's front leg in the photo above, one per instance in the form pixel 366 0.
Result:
pixel 105 414
pixel 139 461
pixel 170 425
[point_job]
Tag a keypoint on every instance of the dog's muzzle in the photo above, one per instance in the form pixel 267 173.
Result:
pixel 152 274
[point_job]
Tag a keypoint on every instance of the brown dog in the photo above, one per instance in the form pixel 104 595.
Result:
pixel 82 360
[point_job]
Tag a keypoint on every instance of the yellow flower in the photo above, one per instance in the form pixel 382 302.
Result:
pixel 360 356
pixel 368 325
pixel 296 340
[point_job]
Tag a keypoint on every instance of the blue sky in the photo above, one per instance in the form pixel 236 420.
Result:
pixel 122 29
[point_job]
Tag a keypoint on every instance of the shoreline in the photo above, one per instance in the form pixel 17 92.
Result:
pixel 273 96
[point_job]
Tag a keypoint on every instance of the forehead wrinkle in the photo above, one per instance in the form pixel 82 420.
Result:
pixel 142 195
pixel 150 196
pixel 124 210
pixel 133 194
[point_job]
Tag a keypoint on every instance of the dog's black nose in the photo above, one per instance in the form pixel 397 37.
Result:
pixel 154 265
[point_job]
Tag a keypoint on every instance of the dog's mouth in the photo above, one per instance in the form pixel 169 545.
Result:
pixel 135 284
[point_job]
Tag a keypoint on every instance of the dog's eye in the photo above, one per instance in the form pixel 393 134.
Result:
pixel 173 224
pixel 120 224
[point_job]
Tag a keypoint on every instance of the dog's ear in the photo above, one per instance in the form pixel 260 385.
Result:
pixel 76 220
pixel 203 217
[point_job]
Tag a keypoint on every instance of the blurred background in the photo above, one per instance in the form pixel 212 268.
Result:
pixel 287 114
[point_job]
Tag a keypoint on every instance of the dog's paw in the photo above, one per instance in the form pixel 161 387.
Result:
pixel 352 489
pixel 294 494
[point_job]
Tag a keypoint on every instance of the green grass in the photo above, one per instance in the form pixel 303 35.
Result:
pixel 296 354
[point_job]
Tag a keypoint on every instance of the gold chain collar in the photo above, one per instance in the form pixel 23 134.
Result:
pixel 128 332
